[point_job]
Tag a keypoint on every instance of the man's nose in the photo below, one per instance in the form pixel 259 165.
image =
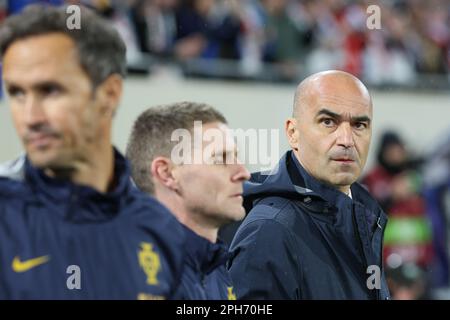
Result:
pixel 241 174
pixel 345 135
pixel 34 112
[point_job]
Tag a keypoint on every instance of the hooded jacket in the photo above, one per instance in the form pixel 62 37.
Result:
pixel 59 240
pixel 303 239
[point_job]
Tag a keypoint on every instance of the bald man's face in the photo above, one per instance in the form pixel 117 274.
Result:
pixel 331 132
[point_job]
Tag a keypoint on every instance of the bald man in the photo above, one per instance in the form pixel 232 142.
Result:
pixel 313 232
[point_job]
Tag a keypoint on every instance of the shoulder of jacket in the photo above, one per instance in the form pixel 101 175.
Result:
pixel 12 177
pixel 141 202
pixel 146 213
pixel 13 170
pixel 279 209
pixel 276 214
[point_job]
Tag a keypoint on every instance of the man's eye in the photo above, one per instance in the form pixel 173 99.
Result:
pixel 15 92
pixel 328 122
pixel 360 125
pixel 51 90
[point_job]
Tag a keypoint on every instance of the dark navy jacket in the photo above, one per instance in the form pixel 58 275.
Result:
pixel 305 240
pixel 205 276
pixel 125 244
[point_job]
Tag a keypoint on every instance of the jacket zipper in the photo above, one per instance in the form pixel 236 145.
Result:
pixel 381 255
pixel 203 282
pixel 361 250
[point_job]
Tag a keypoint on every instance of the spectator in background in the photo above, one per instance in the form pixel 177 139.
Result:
pixel 3 9
pixel 407 282
pixel 396 183
pixel 388 58
pixel 414 37
pixel 120 15
pixel 286 38
pixel 329 35
pixel 201 32
pixel 283 39
pixel 276 32
pixel 156 26
pixel 15 6
pixel 391 158
pixel 432 36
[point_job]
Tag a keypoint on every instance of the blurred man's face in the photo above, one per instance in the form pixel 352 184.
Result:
pixel 54 108
pixel 166 4
pixel 212 190
pixel 334 131
pixel 275 6
pixel 395 154
pixel 203 6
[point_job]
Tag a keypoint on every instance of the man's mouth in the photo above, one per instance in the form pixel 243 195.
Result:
pixel 39 140
pixel 344 160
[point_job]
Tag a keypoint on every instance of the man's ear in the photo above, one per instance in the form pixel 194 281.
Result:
pixel 110 92
pixel 162 172
pixel 292 133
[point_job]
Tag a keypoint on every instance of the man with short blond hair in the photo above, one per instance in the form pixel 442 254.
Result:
pixel 184 155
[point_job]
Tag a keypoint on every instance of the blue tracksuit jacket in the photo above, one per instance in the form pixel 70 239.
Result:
pixel 59 240
pixel 303 239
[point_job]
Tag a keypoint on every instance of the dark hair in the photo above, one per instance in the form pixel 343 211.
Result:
pixel 388 139
pixel 101 51
pixel 152 131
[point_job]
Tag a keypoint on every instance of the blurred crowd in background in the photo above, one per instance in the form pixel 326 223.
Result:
pixel 283 39
pixel 288 39
pixel 415 193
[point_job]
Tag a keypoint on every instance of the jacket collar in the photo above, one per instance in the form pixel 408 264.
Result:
pixel 204 255
pixel 64 191
pixel 300 177
pixel 289 179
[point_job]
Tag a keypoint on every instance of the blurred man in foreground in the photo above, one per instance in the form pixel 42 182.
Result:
pixel 72 226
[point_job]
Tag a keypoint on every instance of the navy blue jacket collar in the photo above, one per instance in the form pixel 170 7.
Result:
pixel 65 191
pixel 300 177
pixel 204 255
pixel 290 180
pixel 278 182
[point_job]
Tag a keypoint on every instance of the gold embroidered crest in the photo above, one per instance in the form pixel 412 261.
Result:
pixel 149 262
pixel 231 295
